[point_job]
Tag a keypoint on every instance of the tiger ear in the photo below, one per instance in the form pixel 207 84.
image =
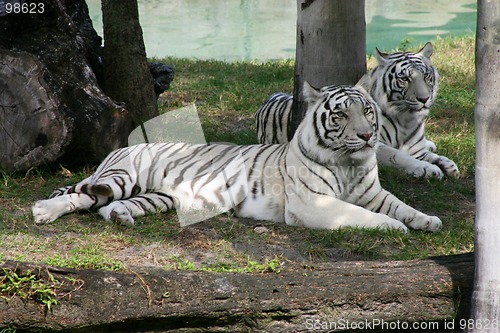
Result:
pixel 426 51
pixel 381 56
pixel 310 93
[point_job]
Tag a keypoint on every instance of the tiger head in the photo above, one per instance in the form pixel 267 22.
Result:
pixel 340 120
pixel 403 81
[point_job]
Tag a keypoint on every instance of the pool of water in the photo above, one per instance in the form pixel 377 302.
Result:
pixel 265 29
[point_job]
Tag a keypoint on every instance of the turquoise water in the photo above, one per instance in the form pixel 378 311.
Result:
pixel 265 29
pixel 388 31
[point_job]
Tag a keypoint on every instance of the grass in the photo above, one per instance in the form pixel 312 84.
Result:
pixel 29 286
pixel 268 266
pixel 226 96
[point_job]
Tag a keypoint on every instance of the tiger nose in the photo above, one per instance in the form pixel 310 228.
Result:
pixel 423 100
pixel 365 136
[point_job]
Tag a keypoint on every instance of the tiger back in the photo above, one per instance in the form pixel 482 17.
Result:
pixel 326 177
pixel 273 118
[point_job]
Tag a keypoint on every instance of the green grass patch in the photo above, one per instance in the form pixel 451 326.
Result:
pixel 29 286
pixel 251 266
pixel 227 96
pixel 85 257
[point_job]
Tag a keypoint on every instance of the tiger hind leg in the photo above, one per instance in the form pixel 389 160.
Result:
pixel 46 211
pixel 62 191
pixel 124 211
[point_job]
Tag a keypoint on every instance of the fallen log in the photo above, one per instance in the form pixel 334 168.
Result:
pixel 298 299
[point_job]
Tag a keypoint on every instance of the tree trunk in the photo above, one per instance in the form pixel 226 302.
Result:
pixel 50 102
pixel 52 107
pixel 298 299
pixel 486 296
pixel 126 73
pixel 331 47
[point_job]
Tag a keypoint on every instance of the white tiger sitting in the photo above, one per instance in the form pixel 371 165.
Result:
pixel 326 177
pixel 404 85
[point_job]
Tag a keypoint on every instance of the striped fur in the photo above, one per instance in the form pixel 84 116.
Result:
pixel 272 127
pixel 404 85
pixel 326 177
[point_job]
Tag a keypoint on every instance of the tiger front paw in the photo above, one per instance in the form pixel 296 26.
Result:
pixel 448 166
pixel 426 170
pixel 426 223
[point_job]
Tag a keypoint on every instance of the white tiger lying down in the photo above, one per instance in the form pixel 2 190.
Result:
pixel 326 177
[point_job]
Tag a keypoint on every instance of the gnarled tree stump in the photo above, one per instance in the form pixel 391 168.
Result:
pixel 32 129
pixel 37 126
pixel 52 107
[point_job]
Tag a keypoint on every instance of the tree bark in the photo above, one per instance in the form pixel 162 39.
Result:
pixel 126 72
pixel 52 106
pixel 50 102
pixel 486 296
pixel 331 47
pixel 154 299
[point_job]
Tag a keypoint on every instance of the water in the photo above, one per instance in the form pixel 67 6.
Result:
pixel 265 29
